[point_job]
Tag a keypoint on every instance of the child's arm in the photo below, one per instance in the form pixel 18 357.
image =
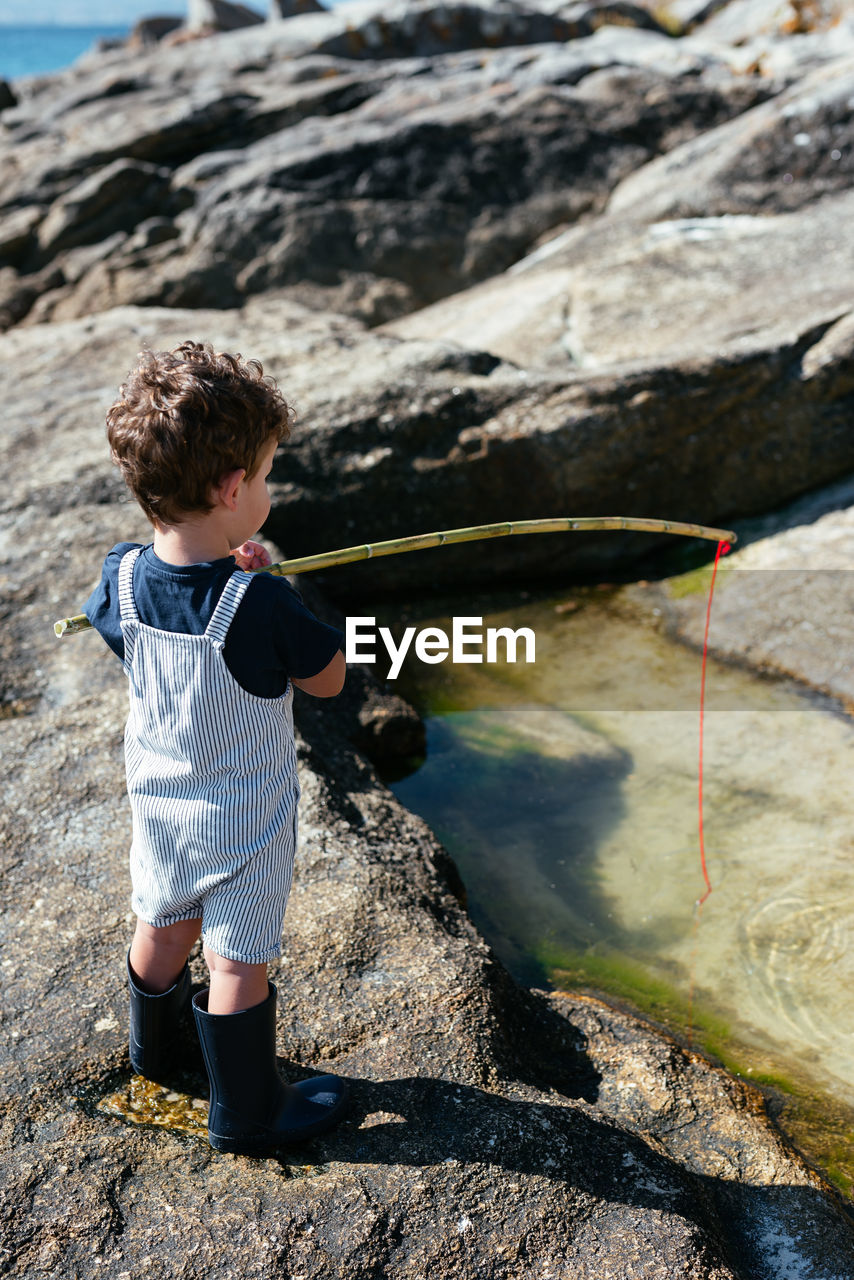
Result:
pixel 327 682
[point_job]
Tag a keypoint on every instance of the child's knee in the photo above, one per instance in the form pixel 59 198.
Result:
pixel 223 965
pixel 179 936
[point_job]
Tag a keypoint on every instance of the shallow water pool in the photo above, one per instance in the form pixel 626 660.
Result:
pixel 566 791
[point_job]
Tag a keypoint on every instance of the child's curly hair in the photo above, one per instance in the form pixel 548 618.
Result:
pixel 186 418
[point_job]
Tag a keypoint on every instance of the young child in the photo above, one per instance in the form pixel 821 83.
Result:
pixel 211 653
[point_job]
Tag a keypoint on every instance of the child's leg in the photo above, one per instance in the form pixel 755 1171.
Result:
pixel 157 956
pixel 252 1111
pixel 235 985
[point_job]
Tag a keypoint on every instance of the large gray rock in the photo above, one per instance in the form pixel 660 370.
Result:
pixel 382 185
pixel 398 437
pixel 704 372
pixel 781 155
pixel 408 28
pixel 150 31
pixel 115 198
pixel 278 9
pixel 706 439
pixel 741 21
pixel 784 601
pixel 630 293
pixel 493 1131
pixel 220 15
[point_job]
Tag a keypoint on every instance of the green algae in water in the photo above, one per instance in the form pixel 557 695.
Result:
pixel 141 1101
pixel 697 582
pixel 589 876
pixel 617 976
pixel 822 1127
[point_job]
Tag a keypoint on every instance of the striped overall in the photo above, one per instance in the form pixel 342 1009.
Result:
pixel 212 781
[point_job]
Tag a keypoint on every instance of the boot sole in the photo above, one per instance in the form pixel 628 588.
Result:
pixel 263 1144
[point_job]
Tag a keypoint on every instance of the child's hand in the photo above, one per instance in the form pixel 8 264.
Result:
pixel 251 555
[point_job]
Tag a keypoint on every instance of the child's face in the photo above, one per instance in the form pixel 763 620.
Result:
pixel 253 498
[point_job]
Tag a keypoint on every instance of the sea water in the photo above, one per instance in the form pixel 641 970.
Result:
pixel 36 50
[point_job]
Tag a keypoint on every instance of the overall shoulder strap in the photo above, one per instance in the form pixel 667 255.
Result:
pixel 127 605
pixel 223 614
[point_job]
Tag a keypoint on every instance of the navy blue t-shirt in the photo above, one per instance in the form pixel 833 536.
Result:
pixel 273 635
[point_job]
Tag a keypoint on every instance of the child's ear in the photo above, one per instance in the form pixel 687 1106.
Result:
pixel 225 493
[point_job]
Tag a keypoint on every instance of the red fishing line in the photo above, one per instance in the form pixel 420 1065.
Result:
pixel 723 548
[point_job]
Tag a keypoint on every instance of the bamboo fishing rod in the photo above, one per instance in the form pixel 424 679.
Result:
pixel 474 533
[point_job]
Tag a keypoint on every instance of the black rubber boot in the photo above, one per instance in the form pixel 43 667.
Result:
pixel 160 1028
pixel 252 1110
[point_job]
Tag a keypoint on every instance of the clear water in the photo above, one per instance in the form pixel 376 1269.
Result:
pixel 36 50
pixel 567 793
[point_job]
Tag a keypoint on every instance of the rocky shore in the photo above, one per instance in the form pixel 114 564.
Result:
pixel 509 260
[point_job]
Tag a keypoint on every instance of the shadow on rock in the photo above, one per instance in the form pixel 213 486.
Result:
pixel 422 1121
